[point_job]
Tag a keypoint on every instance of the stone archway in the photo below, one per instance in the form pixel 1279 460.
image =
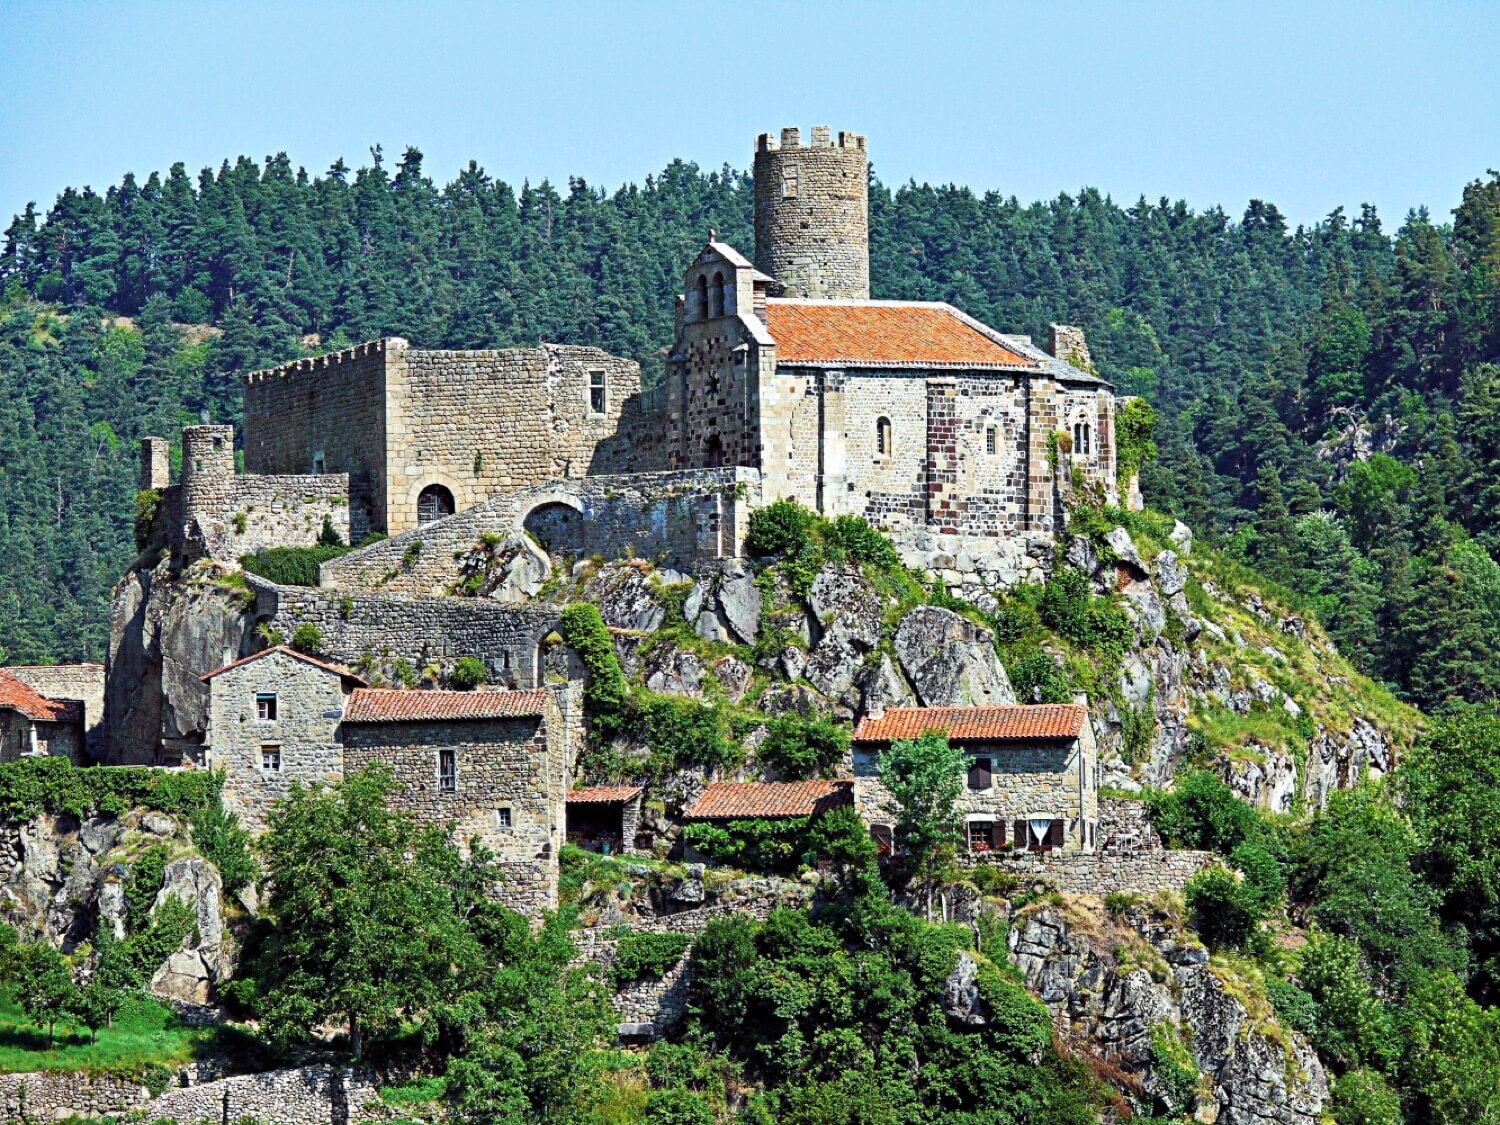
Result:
pixel 434 502
pixel 557 525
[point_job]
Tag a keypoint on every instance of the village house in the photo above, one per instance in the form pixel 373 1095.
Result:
pixel 1031 782
pixel 606 818
pixel 32 725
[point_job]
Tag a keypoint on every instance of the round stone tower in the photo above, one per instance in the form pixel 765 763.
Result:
pixel 812 214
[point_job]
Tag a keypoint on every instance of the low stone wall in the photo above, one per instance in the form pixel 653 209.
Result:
pixel 679 517
pixel 973 564
pixel 420 630
pixel 1077 874
pixel 311 1095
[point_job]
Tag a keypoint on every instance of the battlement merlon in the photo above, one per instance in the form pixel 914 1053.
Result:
pixel 329 360
pixel 822 137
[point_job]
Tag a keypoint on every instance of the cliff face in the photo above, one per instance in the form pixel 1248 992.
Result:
pixel 166 630
pixel 1166 1022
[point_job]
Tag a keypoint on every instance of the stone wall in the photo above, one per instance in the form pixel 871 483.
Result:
pixel 972 565
pixel 811 213
pixel 20 736
pixel 678 518
pixel 333 406
pixel 508 770
pixel 81 682
pixel 422 631
pixel 304 732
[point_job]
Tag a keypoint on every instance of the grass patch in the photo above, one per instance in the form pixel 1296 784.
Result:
pixel 414 1092
pixel 146 1033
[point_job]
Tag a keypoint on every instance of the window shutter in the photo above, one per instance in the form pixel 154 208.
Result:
pixel 979 773
pixel 997 833
pixel 1021 841
pixel 1055 834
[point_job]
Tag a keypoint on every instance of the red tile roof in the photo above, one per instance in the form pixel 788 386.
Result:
pixel 393 705
pixel 749 800
pixel 1015 722
pixel 885 334
pixel 285 651
pixel 19 696
pixel 604 795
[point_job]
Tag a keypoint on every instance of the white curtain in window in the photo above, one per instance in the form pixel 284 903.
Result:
pixel 1040 826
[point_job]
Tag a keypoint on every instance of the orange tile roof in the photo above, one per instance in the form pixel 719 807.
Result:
pixel 885 334
pixel 18 696
pixel 1013 722
pixel 604 794
pixel 750 800
pixel 393 705
pixel 285 651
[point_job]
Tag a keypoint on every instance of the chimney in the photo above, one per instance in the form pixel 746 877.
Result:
pixel 875 708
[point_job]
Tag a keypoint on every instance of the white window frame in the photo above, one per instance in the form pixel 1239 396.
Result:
pixel 447 781
pixel 504 820
pixel 266 750
pixel 602 386
pixel 264 697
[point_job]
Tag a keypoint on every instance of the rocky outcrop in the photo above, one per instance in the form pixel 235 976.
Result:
pixel 848 615
pixel 724 604
pixel 1253 1071
pixel 950 661
pixel 510 570
pixel 205 957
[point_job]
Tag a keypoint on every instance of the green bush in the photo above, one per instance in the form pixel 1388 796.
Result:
pixel 1294 1007
pixel 308 638
pixel 1354 1026
pixel 31 786
pixel 838 837
pixel 1135 425
pixel 1226 911
pixel 783 527
pixel 1200 811
pixel 854 539
pixel 647 956
pixel 147 504
pixel 225 843
pixel 799 748
pixel 469 673
pixel 677 1107
pixel 1038 678
pixel 678 732
pixel 329 535
pixel 1174 1066
pixel 1071 609
pixel 146 875
pixel 1364 1097
pixel 584 631
pixel 290 566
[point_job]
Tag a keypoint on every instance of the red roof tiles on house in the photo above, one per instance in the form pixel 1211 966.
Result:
pixel 21 697
pixel 1015 722
pixel 885 334
pixel 285 651
pixel 604 795
pixel 393 705
pixel 750 800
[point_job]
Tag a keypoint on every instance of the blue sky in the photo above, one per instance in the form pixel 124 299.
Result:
pixel 1309 106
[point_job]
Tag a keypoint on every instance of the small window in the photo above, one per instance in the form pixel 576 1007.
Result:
pixel 885 839
pixel 197 465
pixel 981 835
pixel 980 775
pixel 434 503
pixel 598 399
pixel 502 819
pixel 318 464
pixel 447 771
pixel 718 294
pixel 883 437
pixel 789 182
pixel 991 441
pixel 218 444
pixel 1088 435
pixel 270 759
pixel 265 707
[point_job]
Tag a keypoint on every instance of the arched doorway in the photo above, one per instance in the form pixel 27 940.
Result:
pixel 433 503
pixel 556 527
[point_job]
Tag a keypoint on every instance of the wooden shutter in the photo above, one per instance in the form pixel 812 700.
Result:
pixel 1021 841
pixel 979 774
pixel 1055 834
pixel 884 838
pixel 997 833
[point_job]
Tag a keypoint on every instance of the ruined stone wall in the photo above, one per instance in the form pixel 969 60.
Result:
pixel 304 731
pixel 506 768
pixel 479 422
pixel 422 631
pixel 812 213
pixel 1094 407
pixel 52 740
pixel 678 518
pixel 333 406
pixel 81 682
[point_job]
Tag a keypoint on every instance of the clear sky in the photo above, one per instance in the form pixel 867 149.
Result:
pixel 1307 105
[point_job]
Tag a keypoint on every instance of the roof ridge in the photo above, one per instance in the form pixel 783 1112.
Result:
pixel 285 650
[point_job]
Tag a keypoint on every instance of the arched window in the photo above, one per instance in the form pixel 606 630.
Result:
pixel 883 437
pixel 713 452
pixel 433 504
pixel 1077 437
pixel 1087 438
pixel 718 294
pixel 703 313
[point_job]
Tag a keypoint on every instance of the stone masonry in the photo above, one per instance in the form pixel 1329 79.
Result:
pixel 812 213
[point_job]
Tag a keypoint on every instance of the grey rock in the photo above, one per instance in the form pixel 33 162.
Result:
pixel 113 907
pixel 679 673
pixel 100 833
pixel 204 959
pixel 1181 536
pixel 883 684
pixel 836 660
pixel 689 890
pixel 695 599
pixel 1082 556
pixel 843 597
pixel 1145 607
pixel 626 599
pixel 518 570
pixel 1171 575
pixel 793 662
pixel 734 676
pixel 709 627
pixel 159 824
pixel 739 605
pixel 962 1003
pixel 788 699
pixel 950 661
pixel 1123 546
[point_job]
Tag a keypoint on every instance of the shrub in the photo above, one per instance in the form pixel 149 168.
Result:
pixel 1294 1007
pixel 1226 911
pixel 221 838
pixel 329 535
pixel 469 673
pixel 1038 678
pixel 1013 621
pixel 1202 812
pixel 1364 1097
pixel 1135 425
pixel 308 638
pixel 679 732
pixel 147 504
pixel 1353 1025
pixel 799 748
pixel 840 837
pixel 854 538
pixel 1174 1066
pixel 780 528
pixel 290 566
pixel 32 786
pixel 1264 880
pixel 1071 609
pixel 584 631
pixel 677 1107
pixel 647 956
pixel 146 875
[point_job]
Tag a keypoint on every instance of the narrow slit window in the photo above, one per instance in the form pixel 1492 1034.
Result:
pixel 265 706
pixel 447 771
pixel 718 295
pixel 991 441
pixel 883 437
pixel 598 393
pixel 702 297
pixel 1087 437
pixel 319 464
pixel 789 182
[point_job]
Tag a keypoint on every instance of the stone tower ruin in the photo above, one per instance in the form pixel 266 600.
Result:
pixel 812 202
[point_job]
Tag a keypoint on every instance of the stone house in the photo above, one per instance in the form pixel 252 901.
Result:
pixel 490 766
pixel 273 719
pixel 606 818
pixel 1032 777
pixel 81 683
pixel 32 725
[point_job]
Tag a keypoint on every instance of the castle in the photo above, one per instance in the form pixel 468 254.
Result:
pixel 480 472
